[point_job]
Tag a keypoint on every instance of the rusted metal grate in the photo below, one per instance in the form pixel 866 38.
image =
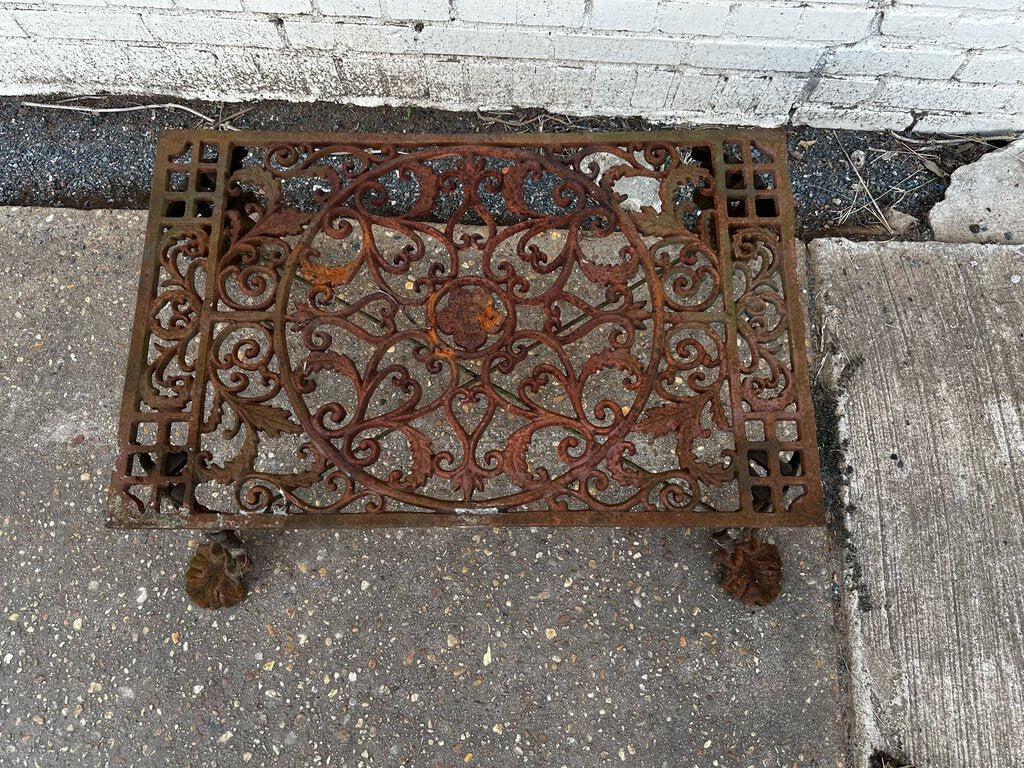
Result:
pixel 571 329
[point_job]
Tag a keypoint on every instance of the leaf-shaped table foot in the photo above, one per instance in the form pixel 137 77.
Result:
pixel 751 568
pixel 214 575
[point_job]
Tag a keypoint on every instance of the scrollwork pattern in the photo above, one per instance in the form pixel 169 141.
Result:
pixel 461 327
pixel 173 318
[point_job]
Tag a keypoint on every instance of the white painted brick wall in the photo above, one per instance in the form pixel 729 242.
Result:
pixel 366 8
pixel 487 11
pixel 993 67
pixel 755 55
pixel 421 10
pixel 845 92
pixel 210 5
pixel 278 7
pixel 81 25
pixel 214 30
pixel 938 65
pixel 626 15
pixel 162 4
pixel 9 27
pixel 874 58
pixel 692 18
pixel 839 24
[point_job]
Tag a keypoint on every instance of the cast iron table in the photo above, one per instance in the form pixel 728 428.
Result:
pixel 532 329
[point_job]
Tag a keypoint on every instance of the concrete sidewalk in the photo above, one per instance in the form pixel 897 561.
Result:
pixel 393 648
pixel 541 647
pixel 929 353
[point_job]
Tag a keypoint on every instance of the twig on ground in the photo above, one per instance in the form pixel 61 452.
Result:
pixel 821 349
pixel 845 215
pixel 947 139
pixel 102 110
pixel 874 203
pixel 522 123
pixel 896 194
pixel 225 122
pixel 214 122
pixel 80 98
pixel 927 162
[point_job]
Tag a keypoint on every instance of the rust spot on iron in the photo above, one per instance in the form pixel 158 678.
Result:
pixel 349 330
pixel 469 316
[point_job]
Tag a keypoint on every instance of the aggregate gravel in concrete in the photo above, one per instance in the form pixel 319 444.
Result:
pixel 435 647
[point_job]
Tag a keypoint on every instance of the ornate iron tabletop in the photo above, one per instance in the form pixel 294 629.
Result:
pixel 566 329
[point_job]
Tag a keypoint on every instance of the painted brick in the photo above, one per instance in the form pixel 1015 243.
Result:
pixel 50 3
pixel 917 24
pixel 82 26
pixel 626 50
pixel 279 7
pixel 840 24
pixel 358 76
pixel 873 59
pixel 738 96
pixel 937 122
pixel 972 5
pixel 528 76
pixel 420 10
pixel 754 55
pixel 561 86
pixel 856 119
pixel 609 83
pixel 142 3
pixel 629 15
pixel 758 95
pixel 213 30
pixel 928 94
pixel 60 67
pixel 459 40
pixel 369 8
pixel 336 35
pixel 488 83
pixel 550 13
pixel 692 18
pixel 848 91
pixel 311 76
pixel 447 83
pixel 186 73
pixel 8 26
pixel 210 5
pixel 491 11
pixel 405 78
pixel 961 62
pixel 694 91
pixel 743 119
pixel 994 67
pixel 654 88
pixel 986 31
pixel 758 20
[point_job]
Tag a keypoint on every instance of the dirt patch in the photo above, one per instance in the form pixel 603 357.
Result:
pixel 81 160
pixel 880 759
pixel 873 186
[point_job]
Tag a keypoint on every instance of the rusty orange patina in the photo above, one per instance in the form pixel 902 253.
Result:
pixel 350 330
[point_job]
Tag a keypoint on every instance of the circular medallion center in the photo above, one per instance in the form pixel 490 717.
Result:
pixel 469 314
